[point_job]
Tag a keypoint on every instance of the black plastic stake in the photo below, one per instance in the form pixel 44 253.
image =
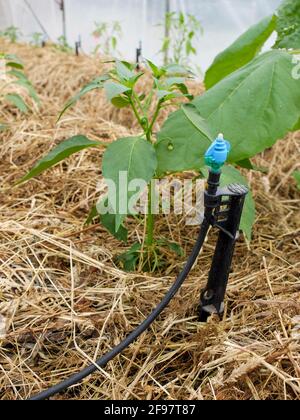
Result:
pixel 78 46
pixel 139 55
pixel 226 218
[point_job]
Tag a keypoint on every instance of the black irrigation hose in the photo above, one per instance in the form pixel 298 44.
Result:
pixel 77 378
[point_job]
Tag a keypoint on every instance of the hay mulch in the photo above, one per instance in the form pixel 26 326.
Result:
pixel 63 301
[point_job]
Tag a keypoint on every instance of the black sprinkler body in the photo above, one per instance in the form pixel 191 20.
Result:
pixel 228 204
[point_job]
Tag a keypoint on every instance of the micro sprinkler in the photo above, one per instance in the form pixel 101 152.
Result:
pixel 223 210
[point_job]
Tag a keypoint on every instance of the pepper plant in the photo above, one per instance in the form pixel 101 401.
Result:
pixel 37 39
pixel 182 31
pixel 15 87
pixel 12 33
pixel 252 97
pixel 134 155
pixel 107 36
pixel 63 45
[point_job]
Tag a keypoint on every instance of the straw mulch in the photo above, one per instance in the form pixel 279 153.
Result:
pixel 63 301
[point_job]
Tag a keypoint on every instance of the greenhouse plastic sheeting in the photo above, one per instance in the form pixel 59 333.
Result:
pixel 223 21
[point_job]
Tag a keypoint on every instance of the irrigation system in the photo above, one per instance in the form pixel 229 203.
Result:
pixel 223 211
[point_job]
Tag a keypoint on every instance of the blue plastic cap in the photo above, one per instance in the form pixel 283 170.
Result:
pixel 217 154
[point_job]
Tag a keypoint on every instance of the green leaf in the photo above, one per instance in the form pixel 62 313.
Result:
pixel 246 163
pixel 108 220
pixel 132 155
pixel 183 141
pixel 157 72
pixel 59 153
pixel 13 61
pixel 296 176
pixel 123 71
pixel 166 95
pixel 231 175
pixel 114 42
pixel 171 81
pixel 93 214
pixel 95 84
pixel 173 246
pixel 18 74
pixel 17 101
pixel 249 107
pixel 114 89
pixel 120 102
pixel 129 260
pixel 3 127
pixel 241 52
pixel 176 70
pixel 297 126
pixel 288 25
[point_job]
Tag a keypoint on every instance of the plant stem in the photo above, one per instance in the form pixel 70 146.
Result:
pixel 150 220
pixel 136 112
pixel 156 114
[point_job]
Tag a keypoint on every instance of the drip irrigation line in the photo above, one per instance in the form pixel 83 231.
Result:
pixel 77 378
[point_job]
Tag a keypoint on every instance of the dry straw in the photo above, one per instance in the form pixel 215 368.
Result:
pixel 63 301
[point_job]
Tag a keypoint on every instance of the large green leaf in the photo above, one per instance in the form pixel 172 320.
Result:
pixel 17 101
pixel 241 52
pixel 132 155
pixel 123 70
pixel 231 175
pixel 95 84
pixel 297 126
pixel 108 220
pixel 114 89
pixel 59 153
pixel 288 25
pixel 183 141
pixel 254 107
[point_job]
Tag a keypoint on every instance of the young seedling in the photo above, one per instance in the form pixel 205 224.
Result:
pixel 107 36
pixel 12 33
pixel 134 155
pixel 62 45
pixel 15 88
pixel 178 46
pixel 37 39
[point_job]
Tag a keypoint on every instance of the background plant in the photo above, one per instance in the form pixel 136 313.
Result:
pixel 63 45
pixel 15 88
pixel 288 25
pixel 12 33
pixel 183 30
pixel 135 155
pixel 37 39
pixel 107 36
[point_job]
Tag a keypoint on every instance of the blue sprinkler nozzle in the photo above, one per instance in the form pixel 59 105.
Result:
pixel 217 154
